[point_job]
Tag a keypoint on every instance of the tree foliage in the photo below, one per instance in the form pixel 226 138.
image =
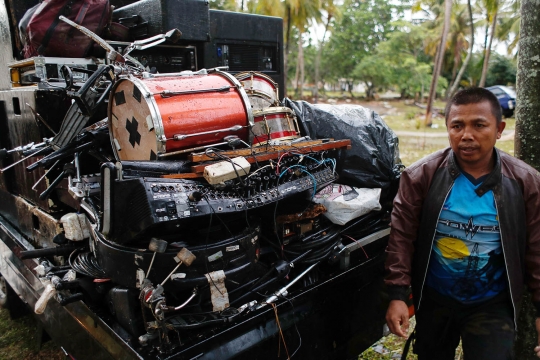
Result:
pixel 363 25
pixel 365 44
pixel 398 63
pixel 502 71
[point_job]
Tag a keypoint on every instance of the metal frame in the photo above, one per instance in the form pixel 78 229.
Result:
pixel 79 330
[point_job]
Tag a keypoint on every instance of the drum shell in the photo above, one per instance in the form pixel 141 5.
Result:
pixel 144 119
pixel 280 121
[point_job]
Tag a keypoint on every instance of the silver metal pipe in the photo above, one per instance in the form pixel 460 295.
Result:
pixel 283 290
pixel 185 151
pixel 46 173
pixel 20 161
pixel 187 301
pixel 178 137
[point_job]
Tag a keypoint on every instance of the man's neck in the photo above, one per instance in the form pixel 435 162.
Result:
pixel 478 170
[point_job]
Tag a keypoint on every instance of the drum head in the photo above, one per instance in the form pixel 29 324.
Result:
pixel 260 88
pixel 131 126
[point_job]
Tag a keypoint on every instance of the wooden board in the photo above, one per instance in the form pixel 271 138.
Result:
pixel 200 157
pixel 330 145
pixel 182 176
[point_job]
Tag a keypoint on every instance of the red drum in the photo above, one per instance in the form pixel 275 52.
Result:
pixel 166 113
pixel 260 88
pixel 275 123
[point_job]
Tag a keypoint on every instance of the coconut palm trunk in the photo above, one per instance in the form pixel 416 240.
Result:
pixel 318 60
pixel 438 61
pixel 488 51
pixel 455 85
pixel 527 146
pixel 299 75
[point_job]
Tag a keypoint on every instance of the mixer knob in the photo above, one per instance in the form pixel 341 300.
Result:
pixel 195 196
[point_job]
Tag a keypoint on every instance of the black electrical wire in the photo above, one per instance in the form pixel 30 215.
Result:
pixel 361 221
pixel 322 243
pixel 222 317
pixel 206 257
pixel 255 290
pixel 218 217
pixel 86 264
pixel 211 153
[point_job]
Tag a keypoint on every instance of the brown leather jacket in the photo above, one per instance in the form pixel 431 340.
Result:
pixel 423 189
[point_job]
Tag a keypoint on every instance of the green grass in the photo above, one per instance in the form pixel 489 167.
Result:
pixel 18 340
pixel 405 117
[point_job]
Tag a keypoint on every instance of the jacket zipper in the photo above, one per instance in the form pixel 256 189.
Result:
pixel 506 269
pixel 431 250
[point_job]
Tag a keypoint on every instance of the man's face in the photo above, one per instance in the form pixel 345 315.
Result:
pixel 473 131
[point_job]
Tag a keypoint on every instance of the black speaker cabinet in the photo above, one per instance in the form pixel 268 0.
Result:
pixel 246 42
pixel 191 17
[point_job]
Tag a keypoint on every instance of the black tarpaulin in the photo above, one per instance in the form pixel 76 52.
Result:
pixel 373 161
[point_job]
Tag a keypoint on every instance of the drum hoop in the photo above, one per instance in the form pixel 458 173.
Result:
pixel 273 110
pixel 247 74
pixel 243 94
pixel 109 120
pixel 290 116
pixel 243 76
pixel 261 94
pixel 264 142
pixel 154 114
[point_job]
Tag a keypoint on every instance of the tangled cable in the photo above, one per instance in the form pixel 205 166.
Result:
pixel 86 263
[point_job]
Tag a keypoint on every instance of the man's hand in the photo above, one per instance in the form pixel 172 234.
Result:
pixel 537 348
pixel 397 318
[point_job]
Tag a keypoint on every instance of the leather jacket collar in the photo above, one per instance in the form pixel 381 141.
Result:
pixel 492 180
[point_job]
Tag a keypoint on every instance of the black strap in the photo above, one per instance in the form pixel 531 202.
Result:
pixel 408 345
pixel 50 30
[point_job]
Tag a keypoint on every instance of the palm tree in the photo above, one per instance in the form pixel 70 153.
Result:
pixel 297 13
pixel 492 9
pixel 306 12
pixel 465 63
pixel 509 23
pixel 438 60
pixel 332 11
pixel 527 145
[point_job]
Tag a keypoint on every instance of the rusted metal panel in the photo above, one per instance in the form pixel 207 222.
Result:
pixel 81 332
pixel 37 225
pixel 23 129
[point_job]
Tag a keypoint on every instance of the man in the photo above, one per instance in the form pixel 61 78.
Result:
pixel 466 238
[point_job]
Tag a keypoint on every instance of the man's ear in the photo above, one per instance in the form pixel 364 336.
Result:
pixel 500 129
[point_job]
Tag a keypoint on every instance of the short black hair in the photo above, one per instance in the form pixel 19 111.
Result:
pixel 475 95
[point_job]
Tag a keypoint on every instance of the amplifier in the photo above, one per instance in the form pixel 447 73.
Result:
pixel 254 43
pixel 191 17
pixel 47 69
pixel 165 58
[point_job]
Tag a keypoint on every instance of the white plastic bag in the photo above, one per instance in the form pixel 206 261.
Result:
pixel 345 203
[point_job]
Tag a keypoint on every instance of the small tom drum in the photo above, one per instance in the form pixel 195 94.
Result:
pixel 168 113
pixel 274 123
pixel 260 88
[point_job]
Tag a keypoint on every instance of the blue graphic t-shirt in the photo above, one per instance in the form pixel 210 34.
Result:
pixel 467 261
